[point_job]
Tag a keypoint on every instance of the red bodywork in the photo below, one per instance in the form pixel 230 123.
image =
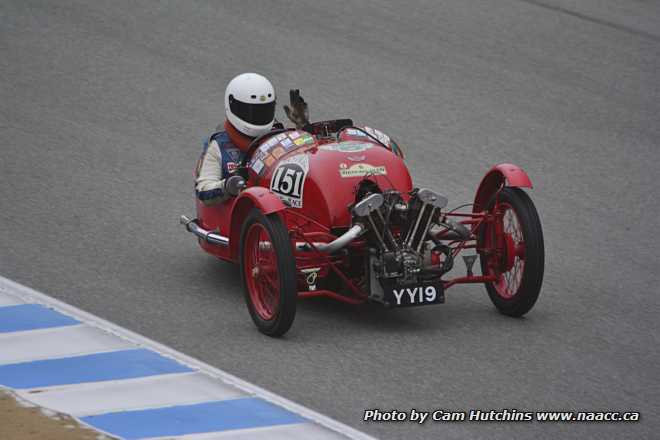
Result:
pixel 498 176
pixel 336 167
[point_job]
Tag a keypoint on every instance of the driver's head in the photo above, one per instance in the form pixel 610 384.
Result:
pixel 250 104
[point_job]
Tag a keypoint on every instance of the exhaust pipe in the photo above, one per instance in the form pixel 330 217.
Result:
pixel 450 231
pixel 208 236
pixel 339 243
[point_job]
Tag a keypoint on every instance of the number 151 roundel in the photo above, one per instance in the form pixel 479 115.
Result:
pixel 288 180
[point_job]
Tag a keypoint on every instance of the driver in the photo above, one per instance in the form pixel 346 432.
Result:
pixel 250 112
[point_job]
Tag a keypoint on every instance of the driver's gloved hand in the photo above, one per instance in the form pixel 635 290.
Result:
pixel 298 113
pixel 234 185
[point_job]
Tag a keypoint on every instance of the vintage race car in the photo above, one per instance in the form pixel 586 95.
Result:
pixel 331 211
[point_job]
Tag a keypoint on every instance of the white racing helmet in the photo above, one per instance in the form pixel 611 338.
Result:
pixel 250 104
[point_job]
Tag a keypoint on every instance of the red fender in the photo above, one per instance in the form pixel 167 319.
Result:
pixel 501 174
pixel 253 197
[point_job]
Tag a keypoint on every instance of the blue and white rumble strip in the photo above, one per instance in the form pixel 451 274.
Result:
pixel 127 386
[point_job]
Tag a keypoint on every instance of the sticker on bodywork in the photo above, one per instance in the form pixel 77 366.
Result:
pixel 307 138
pixel 361 170
pixel 288 179
pixel 276 147
pixel 257 166
pixel 270 142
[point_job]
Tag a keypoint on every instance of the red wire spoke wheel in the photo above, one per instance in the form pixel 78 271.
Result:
pixel 261 272
pixel 268 272
pixel 511 249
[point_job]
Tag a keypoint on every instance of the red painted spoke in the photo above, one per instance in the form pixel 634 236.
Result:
pixel 272 284
pixel 271 303
pixel 266 296
pixel 267 268
pixel 255 257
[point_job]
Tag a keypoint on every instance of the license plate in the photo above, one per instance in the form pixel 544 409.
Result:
pixel 418 295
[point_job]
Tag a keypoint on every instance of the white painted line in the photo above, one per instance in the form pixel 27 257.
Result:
pixel 32 296
pixel 8 300
pixel 57 342
pixel 135 394
pixel 282 432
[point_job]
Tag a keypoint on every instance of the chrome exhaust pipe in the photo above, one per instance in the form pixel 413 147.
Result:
pixel 208 236
pixel 339 243
pixel 300 246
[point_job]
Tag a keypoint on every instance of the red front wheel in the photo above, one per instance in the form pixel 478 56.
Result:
pixel 269 273
pixel 512 250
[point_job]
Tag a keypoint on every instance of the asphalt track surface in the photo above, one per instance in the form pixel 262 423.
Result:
pixel 104 107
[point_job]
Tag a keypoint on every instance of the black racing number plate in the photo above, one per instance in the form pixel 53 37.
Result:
pixel 416 295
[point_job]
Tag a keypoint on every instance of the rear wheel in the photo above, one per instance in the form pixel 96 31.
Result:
pixel 512 250
pixel 269 273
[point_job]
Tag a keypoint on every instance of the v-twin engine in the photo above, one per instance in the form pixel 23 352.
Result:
pixel 398 234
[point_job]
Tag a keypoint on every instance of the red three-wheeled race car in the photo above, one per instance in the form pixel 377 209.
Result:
pixel 331 210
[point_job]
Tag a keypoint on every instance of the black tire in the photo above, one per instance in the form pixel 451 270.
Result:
pixel 530 283
pixel 286 267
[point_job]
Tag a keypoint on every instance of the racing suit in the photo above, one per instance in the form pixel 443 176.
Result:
pixel 222 154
